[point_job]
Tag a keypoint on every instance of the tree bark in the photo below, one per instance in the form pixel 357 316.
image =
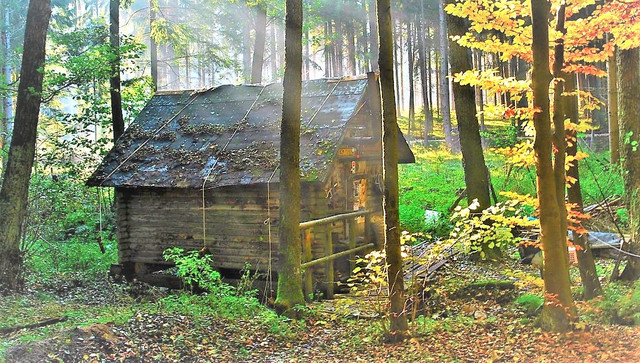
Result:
pixel 558 309
pixel 559 139
pixel 628 117
pixel 7 101
pixel 15 188
pixel 258 49
pixel 424 59
pixel 444 81
pixel 395 278
pixel 373 37
pixel 614 130
pixel 475 170
pixel 289 273
pixel 351 49
pixel 411 59
pixel 117 119
pixel 586 264
pixel 153 46
pixel 273 57
pixel 246 49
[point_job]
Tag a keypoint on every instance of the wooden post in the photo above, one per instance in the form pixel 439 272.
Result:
pixel 352 243
pixel 328 250
pixel 308 256
pixel 367 230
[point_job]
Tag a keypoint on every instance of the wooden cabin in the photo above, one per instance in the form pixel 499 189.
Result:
pixel 200 169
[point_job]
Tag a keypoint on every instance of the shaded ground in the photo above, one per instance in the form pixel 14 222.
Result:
pixel 459 324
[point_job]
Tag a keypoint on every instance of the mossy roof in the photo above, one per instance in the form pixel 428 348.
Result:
pixel 228 135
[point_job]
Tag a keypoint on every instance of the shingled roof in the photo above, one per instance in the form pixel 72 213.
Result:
pixel 229 135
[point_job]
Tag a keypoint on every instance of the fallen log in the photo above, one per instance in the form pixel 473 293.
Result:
pixel 34 325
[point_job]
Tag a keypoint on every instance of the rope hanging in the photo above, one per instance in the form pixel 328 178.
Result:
pixel 268 285
pixel 206 178
pixel 191 100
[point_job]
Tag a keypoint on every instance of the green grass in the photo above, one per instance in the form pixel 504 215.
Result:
pixel 437 175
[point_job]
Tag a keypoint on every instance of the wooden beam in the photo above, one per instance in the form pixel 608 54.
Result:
pixel 336 255
pixel 338 217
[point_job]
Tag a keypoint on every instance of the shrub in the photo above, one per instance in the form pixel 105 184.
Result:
pixel 531 303
pixel 500 137
pixel 488 232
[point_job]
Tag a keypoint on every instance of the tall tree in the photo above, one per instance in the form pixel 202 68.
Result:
pixel 153 45
pixel 289 273
pixel 373 37
pixel 444 80
pixel 116 97
pixel 395 278
pixel 7 99
pixel 559 307
pixel 424 59
pixel 629 119
pixel 586 264
pixel 411 62
pixel 15 187
pixel 260 39
pixel 476 176
pixel 612 109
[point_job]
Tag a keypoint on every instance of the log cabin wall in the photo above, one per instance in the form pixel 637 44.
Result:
pixel 237 224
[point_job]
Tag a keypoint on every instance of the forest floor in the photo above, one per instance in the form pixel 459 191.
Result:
pixel 466 317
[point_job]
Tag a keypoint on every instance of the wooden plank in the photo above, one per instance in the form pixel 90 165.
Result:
pixel 307 256
pixel 336 255
pixel 332 219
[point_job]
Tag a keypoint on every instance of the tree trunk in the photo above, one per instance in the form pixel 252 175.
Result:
pixel 351 49
pixel 289 272
pixel 307 57
pixel 153 46
pixel 411 59
pixel 15 188
pixel 7 102
pixel 521 75
pixel 373 37
pixel 614 130
pixel 327 50
pixel 258 49
pixel 444 81
pixel 401 65
pixel 559 139
pixel 246 49
pixel 479 98
pixel 475 170
pixel 628 116
pixel 116 97
pixel 558 309
pixel 274 53
pixel 395 277
pixel 424 77
pixel 586 264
